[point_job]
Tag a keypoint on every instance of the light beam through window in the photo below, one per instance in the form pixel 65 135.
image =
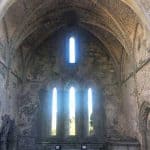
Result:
pixel 54 113
pixel 72 111
pixel 72 50
pixel 90 112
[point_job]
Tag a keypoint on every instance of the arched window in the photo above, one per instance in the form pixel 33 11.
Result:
pixel 72 129
pixel 72 50
pixel 71 108
pixel 90 112
pixel 54 112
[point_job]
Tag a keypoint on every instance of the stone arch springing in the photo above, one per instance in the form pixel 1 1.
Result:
pixel 143 117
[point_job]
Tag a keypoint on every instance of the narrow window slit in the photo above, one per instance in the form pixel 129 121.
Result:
pixel 72 130
pixel 54 113
pixel 90 112
pixel 72 50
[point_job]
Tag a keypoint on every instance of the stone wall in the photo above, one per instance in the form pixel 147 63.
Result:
pixel 9 85
pixel 122 27
pixel 49 67
pixel 8 92
pixel 135 86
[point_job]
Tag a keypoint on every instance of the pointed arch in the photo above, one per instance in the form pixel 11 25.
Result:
pixel 143 116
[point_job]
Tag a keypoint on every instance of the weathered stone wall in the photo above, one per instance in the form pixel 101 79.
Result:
pixel 8 91
pixel 9 84
pixel 135 91
pixel 10 72
pixel 10 80
pixel 114 22
pixel 49 67
pixel 135 86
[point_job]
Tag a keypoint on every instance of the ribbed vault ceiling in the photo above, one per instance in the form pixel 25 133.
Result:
pixel 113 22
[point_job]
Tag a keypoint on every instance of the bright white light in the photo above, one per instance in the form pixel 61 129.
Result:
pixel 72 111
pixel 90 109
pixel 54 112
pixel 90 101
pixel 72 50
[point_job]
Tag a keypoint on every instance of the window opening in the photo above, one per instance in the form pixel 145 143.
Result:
pixel 72 49
pixel 90 112
pixel 54 113
pixel 72 111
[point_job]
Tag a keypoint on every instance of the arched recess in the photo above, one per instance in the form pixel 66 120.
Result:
pixel 98 14
pixel 98 101
pixel 143 124
pixel 102 35
pixel 29 26
pixel 42 11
